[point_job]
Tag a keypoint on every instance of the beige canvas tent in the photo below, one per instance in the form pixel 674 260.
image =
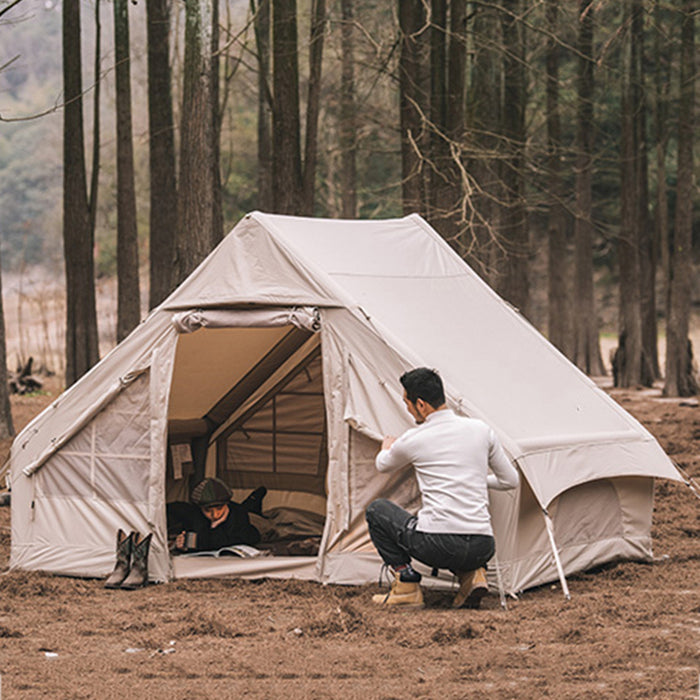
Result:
pixel 276 363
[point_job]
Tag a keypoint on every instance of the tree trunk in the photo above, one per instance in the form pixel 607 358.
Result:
pixel 411 102
pixel 514 284
pixel 262 41
pixel 647 242
pixel 662 81
pixel 195 232
pixel 587 346
pixel 95 174
pixel 484 114
pixel 629 358
pixel 680 378
pixel 81 319
pixel 6 425
pixel 313 105
pixel 287 171
pixel 559 324
pixel 217 214
pixel 439 146
pixel 128 295
pixel 447 116
pixel 348 115
pixel 163 210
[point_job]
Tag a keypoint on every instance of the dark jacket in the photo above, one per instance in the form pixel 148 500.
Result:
pixel 236 529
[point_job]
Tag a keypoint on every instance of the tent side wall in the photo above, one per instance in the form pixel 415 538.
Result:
pixel 65 516
pixel 595 523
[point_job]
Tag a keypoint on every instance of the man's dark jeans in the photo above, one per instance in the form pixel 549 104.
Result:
pixel 393 532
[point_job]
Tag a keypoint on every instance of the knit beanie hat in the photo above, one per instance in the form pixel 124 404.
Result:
pixel 211 492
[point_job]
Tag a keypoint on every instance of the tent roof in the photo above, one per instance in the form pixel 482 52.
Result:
pixel 404 284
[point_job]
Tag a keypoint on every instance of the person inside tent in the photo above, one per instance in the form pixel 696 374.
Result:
pixel 212 520
pixel 451 456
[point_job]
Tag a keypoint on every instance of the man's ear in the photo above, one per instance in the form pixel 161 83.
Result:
pixel 420 406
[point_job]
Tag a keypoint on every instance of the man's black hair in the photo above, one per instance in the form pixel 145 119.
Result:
pixel 423 383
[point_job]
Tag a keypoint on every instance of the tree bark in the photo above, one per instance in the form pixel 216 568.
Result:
pixel 81 318
pixel 514 285
pixel 195 232
pixel 348 114
pixel 128 294
pixel 287 171
pixel 559 322
pixel 680 377
pixel 163 210
pixel 587 347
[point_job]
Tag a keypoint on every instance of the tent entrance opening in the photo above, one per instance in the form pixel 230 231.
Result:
pixel 247 406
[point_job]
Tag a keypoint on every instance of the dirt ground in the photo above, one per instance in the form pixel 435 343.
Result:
pixel 631 630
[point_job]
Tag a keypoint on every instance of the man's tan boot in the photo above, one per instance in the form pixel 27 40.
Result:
pixel 403 594
pixel 472 588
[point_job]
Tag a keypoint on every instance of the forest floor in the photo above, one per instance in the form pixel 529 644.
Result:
pixel 630 630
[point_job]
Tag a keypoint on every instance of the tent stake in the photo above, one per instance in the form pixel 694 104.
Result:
pixel 555 552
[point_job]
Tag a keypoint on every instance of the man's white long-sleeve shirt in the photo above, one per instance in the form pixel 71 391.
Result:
pixel 451 456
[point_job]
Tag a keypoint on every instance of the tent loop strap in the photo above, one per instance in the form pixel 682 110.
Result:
pixel 555 552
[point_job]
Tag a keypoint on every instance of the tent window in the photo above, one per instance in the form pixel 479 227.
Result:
pixel 109 458
pixel 283 437
pixel 286 435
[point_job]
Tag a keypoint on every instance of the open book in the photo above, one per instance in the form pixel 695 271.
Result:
pixel 233 550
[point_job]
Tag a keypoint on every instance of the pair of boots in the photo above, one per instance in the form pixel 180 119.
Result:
pixel 406 592
pixel 131 570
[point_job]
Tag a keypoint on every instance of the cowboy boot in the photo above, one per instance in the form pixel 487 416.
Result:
pixel 121 570
pixel 138 576
pixel 472 588
pixel 403 594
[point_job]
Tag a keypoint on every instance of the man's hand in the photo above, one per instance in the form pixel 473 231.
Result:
pixel 388 441
pixel 180 541
pixel 218 522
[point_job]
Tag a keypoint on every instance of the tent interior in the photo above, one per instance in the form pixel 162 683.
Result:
pixel 247 406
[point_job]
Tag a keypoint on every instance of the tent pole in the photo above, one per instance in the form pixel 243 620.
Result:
pixel 555 552
pixel 499 579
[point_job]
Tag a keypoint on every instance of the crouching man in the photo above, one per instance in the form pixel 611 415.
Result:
pixel 451 456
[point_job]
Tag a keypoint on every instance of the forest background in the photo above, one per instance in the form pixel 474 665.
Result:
pixel 552 144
